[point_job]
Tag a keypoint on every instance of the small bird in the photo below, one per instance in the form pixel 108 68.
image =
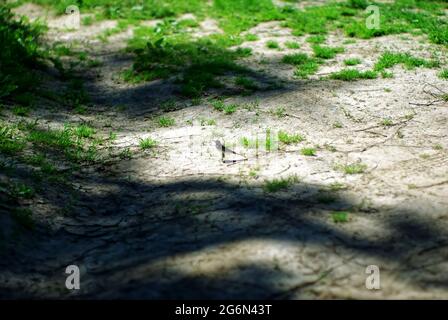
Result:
pixel 224 150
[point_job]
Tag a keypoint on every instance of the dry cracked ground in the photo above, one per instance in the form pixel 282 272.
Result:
pixel 178 222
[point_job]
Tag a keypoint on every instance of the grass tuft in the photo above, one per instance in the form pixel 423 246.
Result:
pixel 280 184
pixel 353 74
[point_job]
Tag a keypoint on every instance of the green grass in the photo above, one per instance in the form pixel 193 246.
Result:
pixel 247 143
pixel 21 111
pixel 251 37
pixel 316 39
pixel 10 140
pixel 207 122
pixel 286 138
pixel 340 216
pixel 305 70
pixel 292 45
pixel 352 61
pixel 324 52
pixel 236 16
pixel 353 74
pixel 166 122
pixel 21 190
pixel 230 108
pixel 246 83
pixel 168 50
pixel 305 65
pixel 276 185
pixel 147 143
pixel 84 131
pixel 219 105
pixel 295 59
pixel 20 55
pixel 197 63
pixel 354 168
pixel 280 112
pixel 387 122
pixel 76 143
pixel 337 186
pixel 443 74
pixel 337 125
pixel 271 44
pixel 125 154
pixel 168 105
pixel 310 152
pixel 390 59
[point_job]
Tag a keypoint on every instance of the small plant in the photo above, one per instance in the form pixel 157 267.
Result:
pixel 112 136
pixel 390 59
pixel 292 45
pixel 336 186
pixel 253 173
pixel 230 108
pixel 196 101
pixel 147 143
pixel 387 74
pixel 352 74
pixel 310 152
pixel 387 122
pixel 80 109
pixel 21 111
pixel 306 69
pixel 316 39
pixel 286 138
pixel 295 59
pixel 305 65
pixel 165 122
pixel 271 44
pixel 354 168
pixel 358 4
pixel 443 74
pixel 337 125
pixel 340 216
pixel 326 52
pixel 352 61
pixel 84 131
pixel 280 184
pixel 246 83
pixel 168 105
pixel 125 154
pixel 207 122
pixel 244 52
pixel 438 147
pixel 251 37
pixel 218 104
pixel 330 147
pixel 280 112
pixel 21 190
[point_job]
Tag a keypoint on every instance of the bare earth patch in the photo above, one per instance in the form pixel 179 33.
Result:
pixel 177 222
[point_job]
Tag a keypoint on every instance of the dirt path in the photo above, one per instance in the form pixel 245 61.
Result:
pixel 179 223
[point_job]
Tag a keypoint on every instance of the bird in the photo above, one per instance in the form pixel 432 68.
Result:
pixel 224 150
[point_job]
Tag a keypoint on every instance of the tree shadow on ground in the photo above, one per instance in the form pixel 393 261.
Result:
pixel 125 239
pixel 122 237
